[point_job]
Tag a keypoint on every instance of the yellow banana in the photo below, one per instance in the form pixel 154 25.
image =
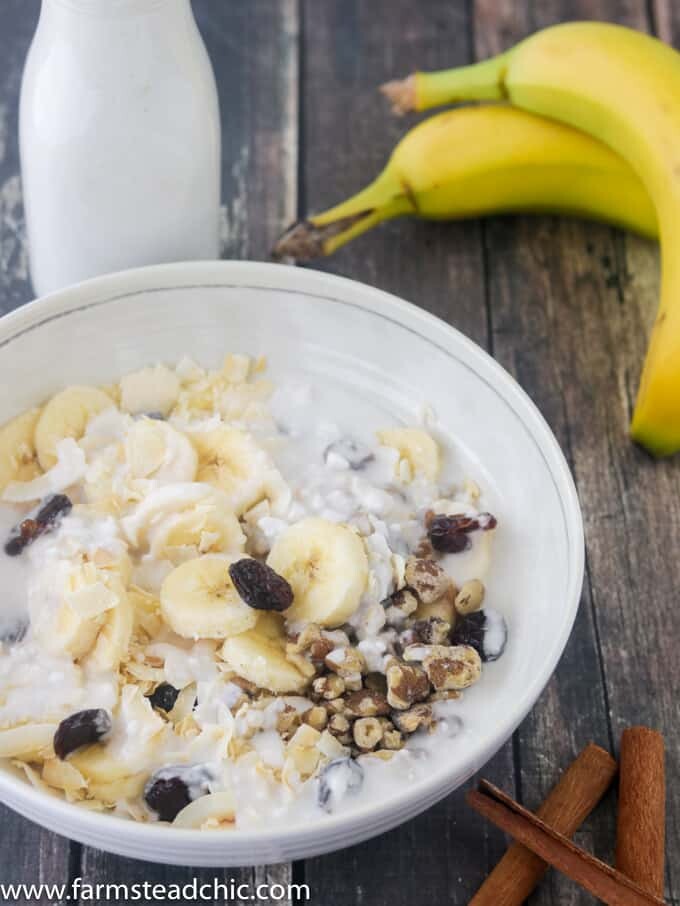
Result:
pixel 622 87
pixel 484 160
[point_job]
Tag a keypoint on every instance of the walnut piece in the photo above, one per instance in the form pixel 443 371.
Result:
pixel 367 732
pixel 459 667
pixel 470 597
pixel 329 687
pixel 366 703
pixel 416 717
pixel 406 685
pixel 427 578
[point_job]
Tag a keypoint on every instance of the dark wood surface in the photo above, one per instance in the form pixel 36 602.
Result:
pixel 565 306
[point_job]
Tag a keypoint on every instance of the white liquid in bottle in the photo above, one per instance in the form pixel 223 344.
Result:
pixel 119 139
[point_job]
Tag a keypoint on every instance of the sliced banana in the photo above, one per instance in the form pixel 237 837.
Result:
pixel 29 741
pixel 415 446
pixel 108 777
pixel 18 457
pixel 232 461
pixel 259 656
pixel 67 415
pixel 199 601
pixel 156 451
pixel 209 527
pixel 327 568
pixel 150 390
pixel 161 503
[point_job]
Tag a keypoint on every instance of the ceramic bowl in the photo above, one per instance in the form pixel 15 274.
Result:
pixel 383 353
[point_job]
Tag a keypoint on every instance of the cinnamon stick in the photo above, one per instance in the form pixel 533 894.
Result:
pixel 568 804
pixel 640 834
pixel 598 878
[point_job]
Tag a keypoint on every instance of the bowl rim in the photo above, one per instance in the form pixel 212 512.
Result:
pixel 417 797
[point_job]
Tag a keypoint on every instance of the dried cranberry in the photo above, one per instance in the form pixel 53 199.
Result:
pixel 449 534
pixel 167 796
pixel 485 630
pixel 163 697
pixel 81 729
pixel 41 520
pixel 259 586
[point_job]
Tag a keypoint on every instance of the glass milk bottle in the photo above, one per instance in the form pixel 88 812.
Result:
pixel 120 139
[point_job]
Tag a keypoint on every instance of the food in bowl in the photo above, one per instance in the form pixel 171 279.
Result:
pixel 222 608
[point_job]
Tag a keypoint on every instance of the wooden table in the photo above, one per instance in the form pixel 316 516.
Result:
pixel 563 305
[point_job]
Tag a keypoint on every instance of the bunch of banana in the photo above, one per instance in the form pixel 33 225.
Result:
pixel 477 161
pixel 623 88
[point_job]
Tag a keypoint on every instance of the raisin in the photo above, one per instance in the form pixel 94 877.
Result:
pixel 41 520
pixel 356 454
pixel 259 586
pixel 81 729
pixel 163 697
pixel 449 534
pixel 484 630
pixel 167 797
pixel 172 788
pixel 340 777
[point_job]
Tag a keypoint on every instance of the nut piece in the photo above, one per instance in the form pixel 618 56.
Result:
pixel 433 631
pixel 316 717
pixel 340 727
pixel 287 722
pixel 393 739
pixel 427 578
pixel 367 733
pixel 345 661
pixel 319 649
pixel 470 597
pixel 416 717
pixel 335 706
pixel 459 668
pixel 406 685
pixel 329 687
pixel 399 605
pixel 366 703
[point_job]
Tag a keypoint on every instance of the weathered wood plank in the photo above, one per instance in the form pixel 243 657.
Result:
pixel 19 18
pixel 349 48
pixel 253 45
pixel 571 307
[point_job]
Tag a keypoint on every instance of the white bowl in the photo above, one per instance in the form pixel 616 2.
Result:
pixel 392 357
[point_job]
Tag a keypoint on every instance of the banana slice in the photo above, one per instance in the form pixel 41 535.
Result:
pixel 209 527
pixel 18 458
pixel 67 415
pixel 232 461
pixel 259 656
pixel 29 741
pixel 327 568
pixel 418 448
pixel 156 451
pixel 199 601
pixel 108 777
pixel 153 389
pixel 161 503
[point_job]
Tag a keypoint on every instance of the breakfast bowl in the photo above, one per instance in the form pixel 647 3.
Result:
pixel 337 351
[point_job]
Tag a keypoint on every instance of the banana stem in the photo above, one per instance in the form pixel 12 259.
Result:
pixel 478 82
pixel 322 234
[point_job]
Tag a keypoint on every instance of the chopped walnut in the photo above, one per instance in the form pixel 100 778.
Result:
pixel 367 732
pixel 406 685
pixel 346 662
pixel 376 682
pixel 287 722
pixel 427 578
pixel 416 717
pixel 316 717
pixel 418 651
pixel 340 727
pixel 445 695
pixel 366 703
pixel 319 649
pixel 304 665
pixel 393 739
pixel 458 668
pixel 433 631
pixel 443 608
pixel 329 687
pixel 334 706
pixel 399 606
